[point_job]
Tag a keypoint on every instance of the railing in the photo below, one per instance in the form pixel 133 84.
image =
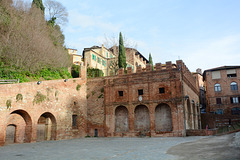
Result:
pixel 9 81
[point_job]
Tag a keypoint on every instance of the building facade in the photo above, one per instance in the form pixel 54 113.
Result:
pixel 222 90
pixel 107 59
pixel 75 58
pixel 162 102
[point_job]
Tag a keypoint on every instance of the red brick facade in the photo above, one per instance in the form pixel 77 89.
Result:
pixel 219 92
pixel 163 102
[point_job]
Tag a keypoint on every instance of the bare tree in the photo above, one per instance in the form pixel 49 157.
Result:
pixel 110 41
pixel 25 40
pixel 113 66
pixel 56 12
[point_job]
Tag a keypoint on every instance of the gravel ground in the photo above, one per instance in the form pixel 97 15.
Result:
pixel 110 148
pixel 226 147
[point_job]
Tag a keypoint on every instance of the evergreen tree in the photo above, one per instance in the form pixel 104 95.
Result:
pixel 150 60
pixel 38 4
pixel 122 53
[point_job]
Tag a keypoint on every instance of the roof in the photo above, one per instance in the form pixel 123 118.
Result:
pixel 222 68
pixel 218 69
pixel 127 49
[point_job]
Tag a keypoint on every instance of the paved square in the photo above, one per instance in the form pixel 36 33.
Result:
pixel 110 148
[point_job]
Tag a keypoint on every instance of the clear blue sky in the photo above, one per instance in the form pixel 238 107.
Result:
pixel 203 33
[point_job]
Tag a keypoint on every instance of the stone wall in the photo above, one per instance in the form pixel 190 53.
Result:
pixel 23 104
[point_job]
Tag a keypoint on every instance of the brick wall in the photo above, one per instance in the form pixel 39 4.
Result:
pixel 61 100
pixel 95 103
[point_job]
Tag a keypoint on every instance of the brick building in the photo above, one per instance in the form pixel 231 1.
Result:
pixel 163 102
pixel 222 90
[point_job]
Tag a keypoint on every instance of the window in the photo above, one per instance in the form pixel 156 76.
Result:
pixel 107 54
pixel 236 111
pixel 120 93
pixel 94 57
pixel 219 111
pixel 217 87
pixel 234 86
pixel 216 75
pixel 161 90
pixel 140 92
pixel 99 60
pixel 74 121
pixel 231 73
pixel 234 100
pixel 218 100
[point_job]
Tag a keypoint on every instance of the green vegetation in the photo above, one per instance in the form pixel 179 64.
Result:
pixel 7 72
pixel 30 48
pixel 38 4
pixel 39 98
pixel 78 87
pixel 102 90
pixel 75 71
pixel 122 53
pixel 150 60
pixel 19 97
pixel 100 96
pixel 9 103
pixel 93 92
pixel 94 72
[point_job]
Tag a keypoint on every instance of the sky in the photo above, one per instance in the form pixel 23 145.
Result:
pixel 203 33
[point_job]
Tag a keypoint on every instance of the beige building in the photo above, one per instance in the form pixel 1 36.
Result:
pixel 106 59
pixel 98 57
pixel 75 58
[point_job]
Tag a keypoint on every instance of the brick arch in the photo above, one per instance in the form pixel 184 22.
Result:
pixel 47 126
pixel 141 118
pixel 28 127
pixel 163 118
pixel 121 119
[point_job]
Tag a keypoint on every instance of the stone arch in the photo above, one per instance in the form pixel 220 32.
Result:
pixel 188 115
pixel 163 118
pixel 46 128
pixel 26 126
pixel 121 119
pixel 141 118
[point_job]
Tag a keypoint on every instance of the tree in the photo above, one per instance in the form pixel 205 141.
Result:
pixel 56 12
pixel 113 67
pixel 38 4
pixel 150 60
pixel 122 53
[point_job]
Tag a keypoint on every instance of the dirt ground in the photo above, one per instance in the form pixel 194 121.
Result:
pixel 226 147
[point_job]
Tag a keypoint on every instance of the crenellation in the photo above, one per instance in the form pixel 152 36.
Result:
pixel 129 70
pixel 158 66
pixel 148 67
pixel 169 65
pixel 139 69
pixel 121 71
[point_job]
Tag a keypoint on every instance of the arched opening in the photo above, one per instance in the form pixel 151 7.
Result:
pixel 194 116
pixel 141 119
pixel 163 118
pixel 46 129
pixel 188 115
pixel 10 134
pixel 121 119
pixel 19 127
